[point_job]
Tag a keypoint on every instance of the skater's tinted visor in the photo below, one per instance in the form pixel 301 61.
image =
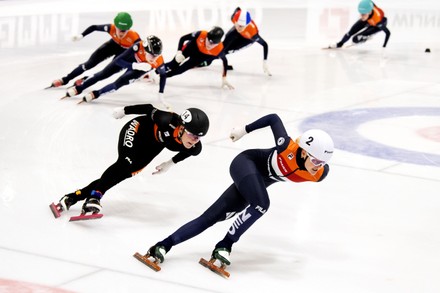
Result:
pixel 315 161
pixel 153 56
pixel 212 42
pixel 192 136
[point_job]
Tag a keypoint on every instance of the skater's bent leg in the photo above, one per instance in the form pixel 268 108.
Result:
pixel 253 189
pixel 103 52
pixel 128 78
pixel 358 26
pixel 183 67
pixel 114 174
pixel 108 71
pixel 225 207
pixel 364 35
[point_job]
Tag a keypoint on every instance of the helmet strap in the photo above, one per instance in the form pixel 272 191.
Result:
pixel 301 161
pixel 180 133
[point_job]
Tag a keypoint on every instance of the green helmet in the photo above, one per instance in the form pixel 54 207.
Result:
pixel 123 21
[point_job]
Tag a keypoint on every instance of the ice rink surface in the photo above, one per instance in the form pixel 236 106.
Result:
pixel 370 227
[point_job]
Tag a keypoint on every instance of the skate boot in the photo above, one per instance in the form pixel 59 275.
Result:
pixel 90 96
pixel 91 206
pixel 93 203
pixel 221 255
pixel 71 92
pixel 157 252
pixel 57 83
pixel 69 200
pixel 334 46
pixel 80 81
pixel 65 203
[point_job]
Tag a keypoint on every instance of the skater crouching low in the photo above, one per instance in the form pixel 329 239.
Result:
pixel 301 160
pixel 371 21
pixel 140 141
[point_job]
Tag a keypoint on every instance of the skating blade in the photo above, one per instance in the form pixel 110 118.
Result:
pixel 143 259
pixel 218 270
pixel 83 217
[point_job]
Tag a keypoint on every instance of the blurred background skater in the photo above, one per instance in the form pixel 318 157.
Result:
pixel 196 48
pixel 372 20
pixel 122 38
pixel 143 57
pixel 243 34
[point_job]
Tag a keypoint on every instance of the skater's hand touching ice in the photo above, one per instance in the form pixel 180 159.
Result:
pixel 162 168
pixel 226 84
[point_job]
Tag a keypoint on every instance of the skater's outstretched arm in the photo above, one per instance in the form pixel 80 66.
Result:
pixel 96 27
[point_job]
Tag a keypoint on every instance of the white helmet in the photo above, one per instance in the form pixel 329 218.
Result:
pixel 318 143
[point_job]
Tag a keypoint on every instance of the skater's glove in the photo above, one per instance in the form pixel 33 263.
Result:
pixel 141 66
pixel 179 57
pixel 118 113
pixel 237 133
pixel 226 84
pixel 77 38
pixel 162 168
pixel 163 102
pixel 266 68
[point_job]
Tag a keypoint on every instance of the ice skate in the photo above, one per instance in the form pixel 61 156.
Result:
pixel 155 252
pixel 65 203
pixel 88 97
pixel 91 208
pixel 337 46
pixel 56 83
pixel 56 209
pixel 218 262
pixel 80 81
pixel 332 46
pixel 71 92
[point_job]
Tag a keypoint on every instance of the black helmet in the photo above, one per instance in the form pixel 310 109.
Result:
pixel 195 121
pixel 215 35
pixel 153 45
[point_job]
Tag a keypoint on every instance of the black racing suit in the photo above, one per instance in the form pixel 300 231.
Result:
pixel 140 141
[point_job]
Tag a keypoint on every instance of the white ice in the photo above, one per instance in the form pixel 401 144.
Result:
pixel 371 226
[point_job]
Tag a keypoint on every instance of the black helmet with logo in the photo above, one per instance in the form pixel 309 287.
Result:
pixel 195 121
